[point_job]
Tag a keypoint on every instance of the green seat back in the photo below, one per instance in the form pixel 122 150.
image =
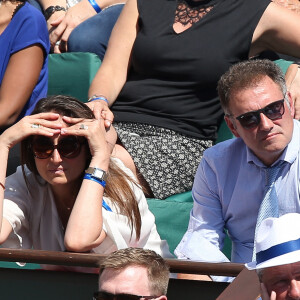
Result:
pixel 224 133
pixel 283 64
pixel 72 73
pixel 172 218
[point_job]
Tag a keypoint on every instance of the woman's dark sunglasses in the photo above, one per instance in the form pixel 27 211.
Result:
pixel 109 296
pixel 68 147
pixel 274 111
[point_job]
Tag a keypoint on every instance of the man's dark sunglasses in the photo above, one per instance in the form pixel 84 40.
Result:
pixel 109 296
pixel 68 147
pixel 274 111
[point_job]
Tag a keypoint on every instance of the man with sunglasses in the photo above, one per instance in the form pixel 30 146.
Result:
pixel 133 274
pixel 231 181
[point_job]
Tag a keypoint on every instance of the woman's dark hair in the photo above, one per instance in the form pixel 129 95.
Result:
pixel 118 182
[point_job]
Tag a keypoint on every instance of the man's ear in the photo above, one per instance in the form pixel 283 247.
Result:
pixel 161 298
pixel 231 126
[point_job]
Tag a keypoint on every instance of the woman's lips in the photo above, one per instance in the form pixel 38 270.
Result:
pixel 56 171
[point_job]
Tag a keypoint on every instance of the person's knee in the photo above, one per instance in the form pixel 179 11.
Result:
pixel 93 34
pixel 86 39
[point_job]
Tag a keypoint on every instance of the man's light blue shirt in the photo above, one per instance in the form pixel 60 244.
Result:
pixel 229 186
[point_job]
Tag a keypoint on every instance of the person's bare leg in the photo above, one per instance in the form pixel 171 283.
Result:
pixel 121 153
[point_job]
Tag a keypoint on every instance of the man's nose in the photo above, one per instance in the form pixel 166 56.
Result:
pixel 265 123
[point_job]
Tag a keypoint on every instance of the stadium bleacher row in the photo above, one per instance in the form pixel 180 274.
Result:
pixel 71 74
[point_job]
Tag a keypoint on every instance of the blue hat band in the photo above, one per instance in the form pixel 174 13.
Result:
pixel 278 250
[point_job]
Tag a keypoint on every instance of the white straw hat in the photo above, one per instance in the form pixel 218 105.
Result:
pixel 277 242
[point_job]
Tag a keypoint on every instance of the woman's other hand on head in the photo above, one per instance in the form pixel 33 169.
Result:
pixel 93 130
pixel 101 111
pixel 39 124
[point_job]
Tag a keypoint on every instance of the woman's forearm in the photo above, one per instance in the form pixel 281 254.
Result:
pixel 84 229
pixel 112 74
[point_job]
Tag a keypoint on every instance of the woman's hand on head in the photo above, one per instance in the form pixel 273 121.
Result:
pixel 39 124
pixel 101 111
pixel 94 131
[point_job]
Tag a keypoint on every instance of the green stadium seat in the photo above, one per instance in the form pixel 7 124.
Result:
pixel 72 73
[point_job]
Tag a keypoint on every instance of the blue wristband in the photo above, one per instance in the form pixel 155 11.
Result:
pixel 98 98
pixel 95 6
pixel 90 177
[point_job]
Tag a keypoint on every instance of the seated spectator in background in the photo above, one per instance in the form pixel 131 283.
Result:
pixel 70 194
pixel 134 274
pixel 278 257
pixel 80 25
pixel 231 187
pixel 159 76
pixel 24 47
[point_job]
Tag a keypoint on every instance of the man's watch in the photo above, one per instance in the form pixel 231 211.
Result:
pixel 51 9
pixel 97 173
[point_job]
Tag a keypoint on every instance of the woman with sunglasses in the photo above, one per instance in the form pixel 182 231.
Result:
pixel 70 194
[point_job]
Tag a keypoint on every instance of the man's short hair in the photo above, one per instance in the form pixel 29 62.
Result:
pixel 247 74
pixel 157 268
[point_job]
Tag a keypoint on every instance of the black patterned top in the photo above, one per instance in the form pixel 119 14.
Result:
pixel 173 77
